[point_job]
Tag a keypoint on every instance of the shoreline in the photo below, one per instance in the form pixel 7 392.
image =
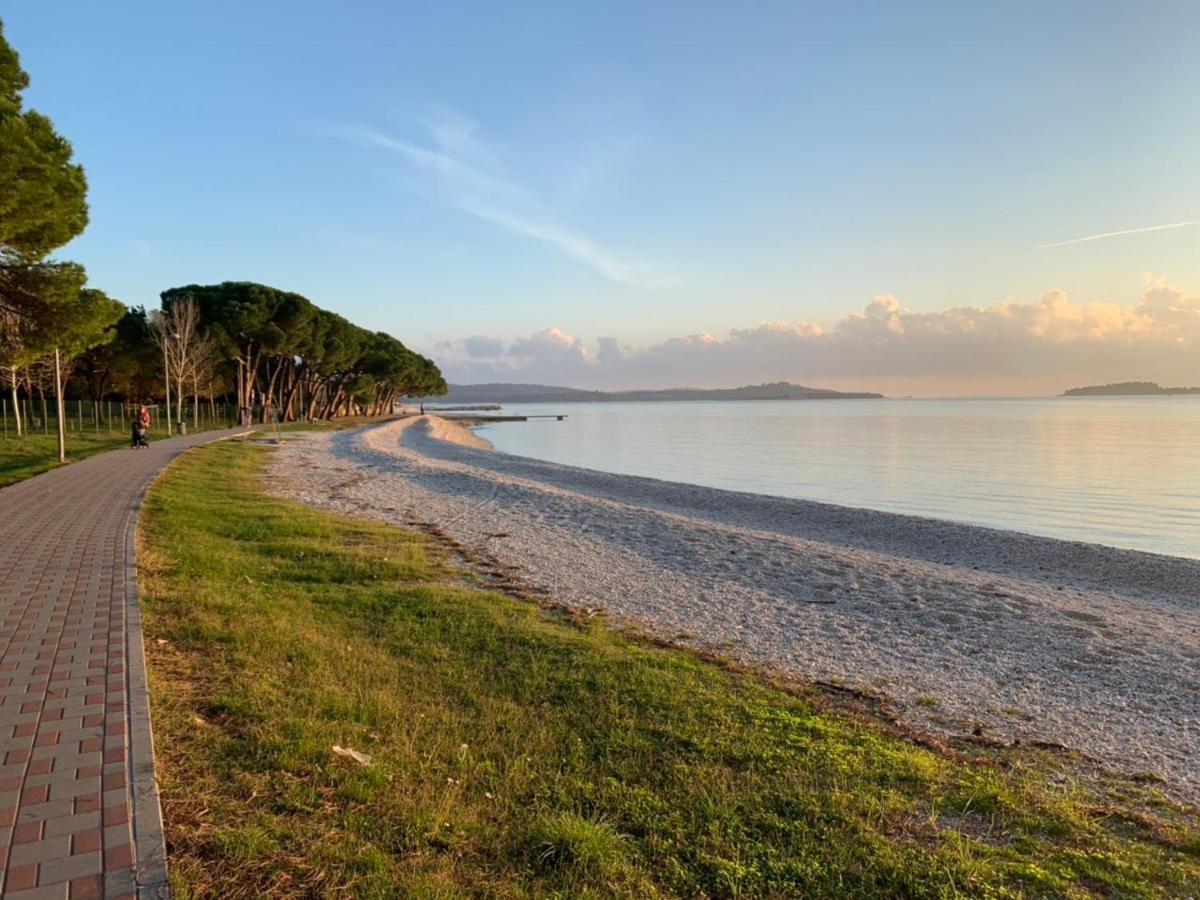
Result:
pixel 964 629
pixel 919 536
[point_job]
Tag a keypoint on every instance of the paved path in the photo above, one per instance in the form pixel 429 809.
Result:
pixel 79 814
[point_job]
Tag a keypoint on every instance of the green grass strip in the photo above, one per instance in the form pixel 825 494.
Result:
pixel 32 454
pixel 515 752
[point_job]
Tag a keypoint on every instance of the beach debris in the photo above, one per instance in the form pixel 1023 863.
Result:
pixel 161 641
pixel 363 759
pixel 1048 745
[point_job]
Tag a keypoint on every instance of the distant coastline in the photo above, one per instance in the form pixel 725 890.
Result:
pixel 1129 389
pixel 542 393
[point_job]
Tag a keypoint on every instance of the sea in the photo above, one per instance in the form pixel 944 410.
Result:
pixel 1121 471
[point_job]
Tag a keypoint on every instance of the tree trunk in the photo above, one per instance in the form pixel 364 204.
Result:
pixel 167 386
pixel 58 408
pixel 251 375
pixel 332 399
pixel 246 377
pixel 179 377
pixel 272 378
pixel 295 383
pixel 316 395
pixel 42 399
pixel 287 391
pixel 16 402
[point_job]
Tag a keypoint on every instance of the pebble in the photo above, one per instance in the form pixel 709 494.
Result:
pixel 1096 668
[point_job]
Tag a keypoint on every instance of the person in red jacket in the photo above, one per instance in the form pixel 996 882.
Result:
pixel 141 426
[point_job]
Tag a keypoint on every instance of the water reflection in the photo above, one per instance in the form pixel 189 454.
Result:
pixel 1119 471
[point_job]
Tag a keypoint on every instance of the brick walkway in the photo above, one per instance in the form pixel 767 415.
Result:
pixel 79 814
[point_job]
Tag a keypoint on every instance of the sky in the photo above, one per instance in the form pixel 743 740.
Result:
pixel 919 198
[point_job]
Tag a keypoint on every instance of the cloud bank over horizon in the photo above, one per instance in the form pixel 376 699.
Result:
pixel 1039 347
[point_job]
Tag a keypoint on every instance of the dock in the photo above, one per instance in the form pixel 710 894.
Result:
pixel 465 407
pixel 478 419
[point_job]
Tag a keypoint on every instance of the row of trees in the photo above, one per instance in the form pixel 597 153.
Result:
pixel 295 359
pixel 271 350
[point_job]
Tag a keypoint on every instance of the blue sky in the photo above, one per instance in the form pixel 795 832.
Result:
pixel 640 171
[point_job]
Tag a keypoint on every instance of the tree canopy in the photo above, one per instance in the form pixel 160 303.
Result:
pixel 274 350
pixel 44 307
pixel 286 347
pixel 42 198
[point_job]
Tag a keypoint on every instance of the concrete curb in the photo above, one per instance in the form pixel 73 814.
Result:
pixel 149 836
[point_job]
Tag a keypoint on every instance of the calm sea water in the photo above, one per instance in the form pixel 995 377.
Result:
pixel 1117 471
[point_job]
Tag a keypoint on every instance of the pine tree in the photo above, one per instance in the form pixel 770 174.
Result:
pixel 42 199
pixel 44 309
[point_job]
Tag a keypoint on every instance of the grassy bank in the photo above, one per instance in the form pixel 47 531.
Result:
pixel 31 454
pixel 34 453
pixel 515 751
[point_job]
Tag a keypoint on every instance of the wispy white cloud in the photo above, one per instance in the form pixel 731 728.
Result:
pixel 445 165
pixel 468 174
pixel 1110 234
pixel 576 246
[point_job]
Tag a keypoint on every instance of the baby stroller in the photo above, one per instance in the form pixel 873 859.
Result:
pixel 139 436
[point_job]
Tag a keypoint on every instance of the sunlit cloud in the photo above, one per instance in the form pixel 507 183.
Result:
pixel 466 173
pixel 1112 234
pixel 1053 337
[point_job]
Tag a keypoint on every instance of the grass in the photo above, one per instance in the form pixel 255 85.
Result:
pixel 31 454
pixel 35 452
pixel 517 751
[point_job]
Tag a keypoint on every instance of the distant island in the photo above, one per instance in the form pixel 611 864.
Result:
pixel 542 393
pixel 1128 389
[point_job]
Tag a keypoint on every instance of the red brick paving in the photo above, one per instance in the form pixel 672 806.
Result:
pixel 78 803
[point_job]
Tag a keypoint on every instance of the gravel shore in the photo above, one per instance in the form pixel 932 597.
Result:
pixel 963 628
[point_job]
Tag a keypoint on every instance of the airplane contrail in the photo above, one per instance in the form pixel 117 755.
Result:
pixel 1108 234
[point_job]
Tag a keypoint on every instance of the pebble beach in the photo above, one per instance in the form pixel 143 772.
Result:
pixel 966 630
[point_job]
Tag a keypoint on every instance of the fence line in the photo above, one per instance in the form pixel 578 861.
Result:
pixel 81 417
